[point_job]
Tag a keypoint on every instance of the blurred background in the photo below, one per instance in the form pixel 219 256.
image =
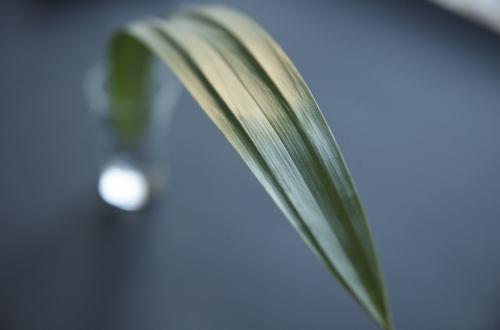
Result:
pixel 412 93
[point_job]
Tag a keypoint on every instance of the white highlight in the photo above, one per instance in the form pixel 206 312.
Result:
pixel 485 11
pixel 124 187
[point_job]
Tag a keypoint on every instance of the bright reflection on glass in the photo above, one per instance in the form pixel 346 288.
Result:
pixel 124 186
pixel 122 183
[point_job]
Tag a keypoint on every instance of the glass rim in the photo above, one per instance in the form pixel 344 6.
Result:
pixel 166 89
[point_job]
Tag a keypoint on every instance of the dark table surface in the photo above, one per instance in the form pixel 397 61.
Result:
pixel 413 95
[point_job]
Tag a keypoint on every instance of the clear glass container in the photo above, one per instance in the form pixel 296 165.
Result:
pixel 133 174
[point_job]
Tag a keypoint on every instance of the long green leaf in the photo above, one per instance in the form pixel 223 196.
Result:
pixel 255 96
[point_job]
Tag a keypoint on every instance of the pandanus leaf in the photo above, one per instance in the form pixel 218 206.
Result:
pixel 254 94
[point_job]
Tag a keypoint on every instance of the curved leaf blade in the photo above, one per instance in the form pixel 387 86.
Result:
pixel 253 93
